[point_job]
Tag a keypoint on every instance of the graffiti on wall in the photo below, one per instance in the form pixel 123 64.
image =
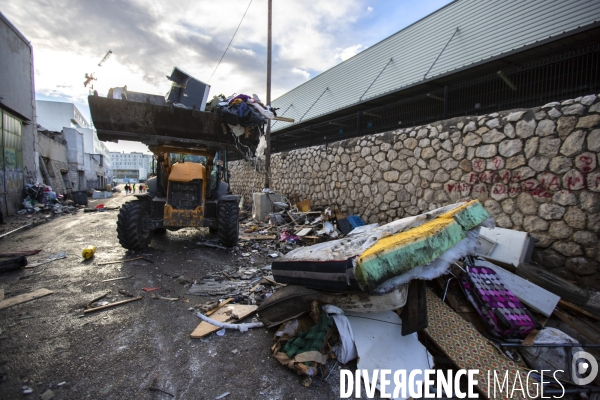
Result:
pixel 490 178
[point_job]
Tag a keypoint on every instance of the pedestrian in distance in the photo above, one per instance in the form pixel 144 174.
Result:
pixel 134 188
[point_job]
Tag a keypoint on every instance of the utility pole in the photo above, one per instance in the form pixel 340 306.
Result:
pixel 268 134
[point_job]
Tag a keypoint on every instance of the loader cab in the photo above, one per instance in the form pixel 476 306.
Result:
pixel 219 178
pixel 188 191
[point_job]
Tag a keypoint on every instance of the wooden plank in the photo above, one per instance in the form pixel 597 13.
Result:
pixel 414 313
pixel 222 315
pixel 293 219
pixel 528 341
pixel 532 295
pixel 283 119
pixel 119 261
pixel 577 325
pixel 22 298
pixel 117 279
pixel 258 237
pixel 20 253
pixel 118 303
pixel 221 304
pixel 573 307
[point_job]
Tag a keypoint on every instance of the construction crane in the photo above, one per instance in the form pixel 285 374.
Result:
pixel 91 77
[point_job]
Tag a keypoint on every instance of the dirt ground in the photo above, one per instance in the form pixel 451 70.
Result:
pixel 120 352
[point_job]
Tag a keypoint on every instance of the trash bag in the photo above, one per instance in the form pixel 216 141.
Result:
pixel 248 116
pixel 230 115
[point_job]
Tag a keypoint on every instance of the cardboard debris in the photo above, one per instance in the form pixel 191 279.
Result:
pixel 224 314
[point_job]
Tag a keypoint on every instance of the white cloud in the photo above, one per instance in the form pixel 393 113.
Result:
pixel 148 38
pixel 301 72
pixel 344 54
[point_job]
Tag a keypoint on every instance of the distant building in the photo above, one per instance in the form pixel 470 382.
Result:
pixel 18 162
pixel 89 164
pixel 133 166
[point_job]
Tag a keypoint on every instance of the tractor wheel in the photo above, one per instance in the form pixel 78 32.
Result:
pixel 229 223
pixel 130 228
pixel 212 230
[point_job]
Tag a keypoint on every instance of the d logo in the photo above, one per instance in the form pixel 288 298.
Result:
pixel 589 367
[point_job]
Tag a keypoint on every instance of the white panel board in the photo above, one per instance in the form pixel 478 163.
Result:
pixel 511 246
pixel 381 345
pixel 530 294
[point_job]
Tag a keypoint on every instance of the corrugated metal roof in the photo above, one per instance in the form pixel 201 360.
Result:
pixel 485 29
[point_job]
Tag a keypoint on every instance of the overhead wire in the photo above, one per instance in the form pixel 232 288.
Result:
pixel 234 33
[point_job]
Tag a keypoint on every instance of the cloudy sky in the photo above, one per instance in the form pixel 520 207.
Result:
pixel 149 37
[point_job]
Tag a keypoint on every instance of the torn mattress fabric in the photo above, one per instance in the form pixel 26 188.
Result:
pixel 384 257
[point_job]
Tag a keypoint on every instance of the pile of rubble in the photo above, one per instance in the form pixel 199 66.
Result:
pixel 443 291
pixel 41 198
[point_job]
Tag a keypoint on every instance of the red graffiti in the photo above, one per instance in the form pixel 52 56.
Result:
pixel 479 189
pixel 500 189
pixel 554 184
pixel 478 165
pixel 529 185
pixel 487 176
pixel 514 189
pixel 516 177
pixel 461 187
pixel 541 192
pixel 505 177
pixel 587 163
pixel 497 163
pixel 573 182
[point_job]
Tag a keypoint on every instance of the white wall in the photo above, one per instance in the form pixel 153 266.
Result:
pixel 55 115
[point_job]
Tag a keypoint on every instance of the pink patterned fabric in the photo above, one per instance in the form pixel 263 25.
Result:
pixel 501 311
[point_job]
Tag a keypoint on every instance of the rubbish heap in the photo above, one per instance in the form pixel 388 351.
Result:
pixel 443 291
pixel 42 198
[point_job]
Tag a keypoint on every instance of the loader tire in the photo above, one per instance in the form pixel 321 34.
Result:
pixel 228 223
pixel 130 228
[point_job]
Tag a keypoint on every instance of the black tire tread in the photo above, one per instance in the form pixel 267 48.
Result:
pixel 228 223
pixel 129 225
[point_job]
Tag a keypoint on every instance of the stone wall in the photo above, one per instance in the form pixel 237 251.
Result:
pixel 535 170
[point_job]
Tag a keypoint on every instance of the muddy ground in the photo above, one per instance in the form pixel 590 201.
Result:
pixel 120 352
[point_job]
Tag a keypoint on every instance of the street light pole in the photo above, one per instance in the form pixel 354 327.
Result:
pixel 268 134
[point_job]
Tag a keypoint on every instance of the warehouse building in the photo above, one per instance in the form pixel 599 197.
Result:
pixel 468 58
